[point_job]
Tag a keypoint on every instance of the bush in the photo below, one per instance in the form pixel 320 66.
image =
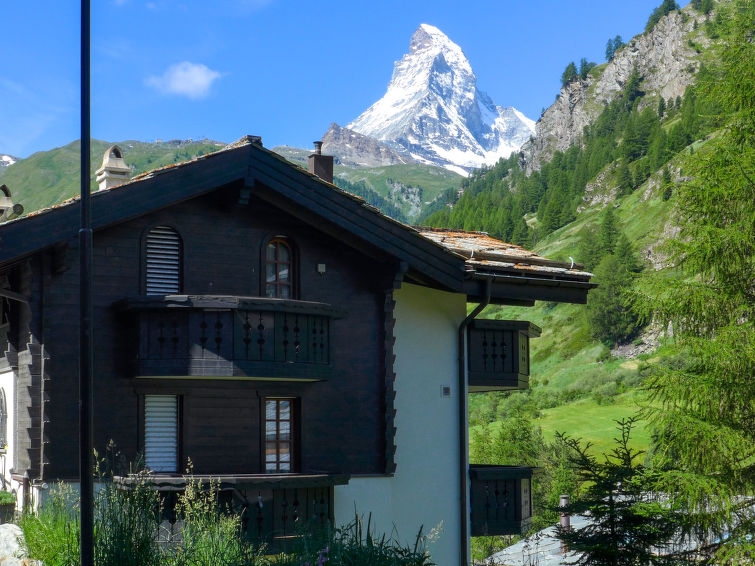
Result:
pixel 127 523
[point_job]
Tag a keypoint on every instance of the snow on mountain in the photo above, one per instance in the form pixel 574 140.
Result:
pixel 6 161
pixel 434 112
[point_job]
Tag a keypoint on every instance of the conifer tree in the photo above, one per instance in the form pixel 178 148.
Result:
pixel 609 49
pixel 608 231
pixel 569 74
pixel 608 306
pixel 703 406
pixel 628 524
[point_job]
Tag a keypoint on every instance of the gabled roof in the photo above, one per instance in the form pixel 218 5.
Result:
pixel 442 259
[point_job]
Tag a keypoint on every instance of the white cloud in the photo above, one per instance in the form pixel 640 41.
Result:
pixel 193 80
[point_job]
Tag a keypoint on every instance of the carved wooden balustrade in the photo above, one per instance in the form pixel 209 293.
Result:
pixel 216 336
pixel 274 508
pixel 500 499
pixel 499 354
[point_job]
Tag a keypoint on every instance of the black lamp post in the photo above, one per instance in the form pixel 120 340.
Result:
pixel 85 306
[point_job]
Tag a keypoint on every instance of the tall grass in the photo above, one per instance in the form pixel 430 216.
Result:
pixel 127 524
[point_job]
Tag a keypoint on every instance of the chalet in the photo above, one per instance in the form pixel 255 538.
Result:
pixel 309 352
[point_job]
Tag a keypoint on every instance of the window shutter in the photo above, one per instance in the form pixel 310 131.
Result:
pixel 163 267
pixel 161 432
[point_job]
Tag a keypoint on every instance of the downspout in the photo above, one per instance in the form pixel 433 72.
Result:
pixel 463 425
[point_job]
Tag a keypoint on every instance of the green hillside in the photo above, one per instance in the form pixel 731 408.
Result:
pixel 48 177
pixel 402 191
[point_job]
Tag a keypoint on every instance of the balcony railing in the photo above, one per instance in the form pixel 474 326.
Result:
pixel 499 354
pixel 217 336
pixel 500 499
pixel 274 508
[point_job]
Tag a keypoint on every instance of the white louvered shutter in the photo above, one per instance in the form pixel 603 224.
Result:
pixel 163 268
pixel 161 433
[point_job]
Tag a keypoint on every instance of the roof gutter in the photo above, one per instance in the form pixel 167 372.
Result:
pixel 463 427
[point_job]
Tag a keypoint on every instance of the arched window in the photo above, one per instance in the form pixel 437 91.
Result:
pixel 279 264
pixel 3 420
pixel 162 268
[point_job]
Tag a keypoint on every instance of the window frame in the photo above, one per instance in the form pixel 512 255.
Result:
pixel 293 267
pixel 143 259
pixel 293 442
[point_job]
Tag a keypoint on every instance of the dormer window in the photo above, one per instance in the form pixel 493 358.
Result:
pixel 162 269
pixel 278 269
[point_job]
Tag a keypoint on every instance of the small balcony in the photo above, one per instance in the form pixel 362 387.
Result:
pixel 197 336
pixel 274 508
pixel 499 354
pixel 500 499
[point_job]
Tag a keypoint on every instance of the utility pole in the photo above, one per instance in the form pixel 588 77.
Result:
pixel 85 307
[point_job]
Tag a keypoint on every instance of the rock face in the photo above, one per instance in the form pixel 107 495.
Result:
pixel 664 59
pixel 433 111
pixel 12 549
pixel 352 148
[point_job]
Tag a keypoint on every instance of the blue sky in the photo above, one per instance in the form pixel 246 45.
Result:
pixel 282 69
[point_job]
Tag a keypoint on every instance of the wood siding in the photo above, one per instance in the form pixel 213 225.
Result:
pixel 343 422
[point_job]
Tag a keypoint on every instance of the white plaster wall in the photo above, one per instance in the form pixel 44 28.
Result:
pixel 425 488
pixel 8 383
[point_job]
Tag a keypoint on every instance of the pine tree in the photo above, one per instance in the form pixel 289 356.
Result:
pixel 625 255
pixel 569 74
pixel 609 49
pixel 703 405
pixel 608 231
pixel 624 179
pixel 609 310
pixel 628 524
pixel 618 43
pixel 661 107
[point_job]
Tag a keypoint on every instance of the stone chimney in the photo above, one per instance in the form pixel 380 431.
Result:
pixel 114 170
pixel 8 210
pixel 321 165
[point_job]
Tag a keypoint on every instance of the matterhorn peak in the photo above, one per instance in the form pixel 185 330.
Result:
pixel 433 112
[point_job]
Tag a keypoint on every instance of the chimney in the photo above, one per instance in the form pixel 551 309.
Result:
pixel 8 210
pixel 114 170
pixel 321 165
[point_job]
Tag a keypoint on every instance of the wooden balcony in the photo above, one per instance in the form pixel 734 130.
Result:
pixel 274 508
pixel 500 499
pixel 196 336
pixel 499 354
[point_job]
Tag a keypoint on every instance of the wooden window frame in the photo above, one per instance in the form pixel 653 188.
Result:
pixel 293 442
pixel 143 262
pixel 293 271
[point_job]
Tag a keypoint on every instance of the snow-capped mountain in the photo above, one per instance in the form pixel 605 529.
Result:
pixel 434 112
pixel 6 161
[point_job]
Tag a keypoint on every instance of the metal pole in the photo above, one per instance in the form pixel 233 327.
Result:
pixel 85 306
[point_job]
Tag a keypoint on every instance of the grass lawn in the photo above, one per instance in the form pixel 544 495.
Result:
pixel 587 420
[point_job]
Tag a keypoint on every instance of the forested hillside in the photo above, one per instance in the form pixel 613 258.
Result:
pixel 616 200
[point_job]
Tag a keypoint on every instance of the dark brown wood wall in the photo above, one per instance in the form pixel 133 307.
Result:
pixel 342 420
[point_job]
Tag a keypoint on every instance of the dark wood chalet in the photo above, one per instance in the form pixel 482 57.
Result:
pixel 247 317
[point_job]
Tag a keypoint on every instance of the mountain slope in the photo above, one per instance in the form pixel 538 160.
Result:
pixel 433 111
pixel 401 190
pixel 624 147
pixel 666 58
pixel 49 177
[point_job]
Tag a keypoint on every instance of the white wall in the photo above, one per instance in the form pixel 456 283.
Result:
pixel 8 383
pixel 425 488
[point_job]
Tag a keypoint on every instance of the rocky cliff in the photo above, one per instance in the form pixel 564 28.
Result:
pixel 355 149
pixel 664 57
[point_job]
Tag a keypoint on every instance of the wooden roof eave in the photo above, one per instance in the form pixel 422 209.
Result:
pixel 160 189
pixel 315 199
pixel 522 288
